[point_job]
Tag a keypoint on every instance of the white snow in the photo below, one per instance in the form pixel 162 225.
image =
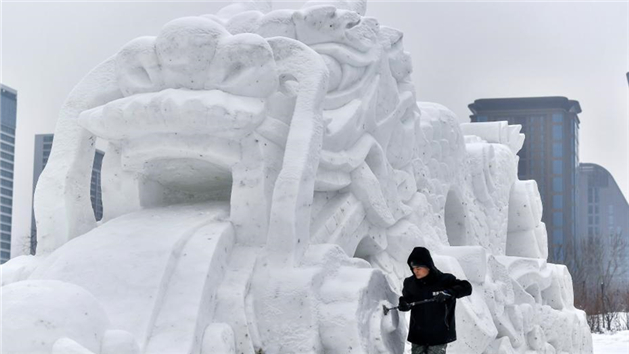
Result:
pixel 267 175
pixel 616 343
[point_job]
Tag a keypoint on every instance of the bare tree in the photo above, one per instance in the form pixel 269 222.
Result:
pixel 599 272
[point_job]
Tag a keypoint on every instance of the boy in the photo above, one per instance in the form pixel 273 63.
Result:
pixel 432 324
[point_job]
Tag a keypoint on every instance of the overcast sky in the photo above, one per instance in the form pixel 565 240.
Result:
pixel 461 51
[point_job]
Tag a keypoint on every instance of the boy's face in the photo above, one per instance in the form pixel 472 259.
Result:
pixel 420 272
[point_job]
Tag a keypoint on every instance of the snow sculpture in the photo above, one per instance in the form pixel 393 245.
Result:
pixel 267 174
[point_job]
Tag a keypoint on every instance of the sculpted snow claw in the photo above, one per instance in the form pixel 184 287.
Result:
pixel 267 173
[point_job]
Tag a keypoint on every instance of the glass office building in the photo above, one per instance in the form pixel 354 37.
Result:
pixel 8 113
pixel 550 156
pixel 43 146
pixel 603 212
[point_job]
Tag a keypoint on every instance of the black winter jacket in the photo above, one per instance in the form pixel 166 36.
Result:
pixel 432 323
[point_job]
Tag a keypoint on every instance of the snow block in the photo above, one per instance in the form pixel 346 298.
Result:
pixel 68 346
pixel 18 269
pixel 119 342
pixel 501 345
pixel 37 314
pixel 218 338
pixel 472 260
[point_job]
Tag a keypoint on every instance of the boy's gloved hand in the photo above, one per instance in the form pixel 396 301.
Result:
pixel 403 305
pixel 442 296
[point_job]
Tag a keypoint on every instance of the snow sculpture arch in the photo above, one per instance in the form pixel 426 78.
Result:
pixel 267 174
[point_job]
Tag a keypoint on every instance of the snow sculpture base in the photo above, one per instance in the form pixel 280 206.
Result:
pixel 267 175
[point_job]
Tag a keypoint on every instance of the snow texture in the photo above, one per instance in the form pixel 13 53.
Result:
pixel 616 343
pixel 267 174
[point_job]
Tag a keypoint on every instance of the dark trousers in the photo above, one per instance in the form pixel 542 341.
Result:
pixel 425 349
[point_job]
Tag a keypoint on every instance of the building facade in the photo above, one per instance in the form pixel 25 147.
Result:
pixel 43 146
pixel 549 156
pixel 8 114
pixel 603 215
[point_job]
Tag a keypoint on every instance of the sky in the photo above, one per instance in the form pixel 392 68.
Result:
pixel 461 51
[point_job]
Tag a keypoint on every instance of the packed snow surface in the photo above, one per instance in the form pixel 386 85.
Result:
pixel 267 174
pixel 616 343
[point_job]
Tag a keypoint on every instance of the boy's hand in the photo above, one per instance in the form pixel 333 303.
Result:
pixel 403 306
pixel 442 296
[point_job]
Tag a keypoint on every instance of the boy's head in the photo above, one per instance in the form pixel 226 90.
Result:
pixel 420 261
pixel 420 270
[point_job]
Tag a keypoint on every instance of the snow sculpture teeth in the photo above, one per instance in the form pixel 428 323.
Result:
pixel 267 174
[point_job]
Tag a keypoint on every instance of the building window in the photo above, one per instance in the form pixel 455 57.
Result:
pixel 557 132
pixel 5 237
pixel 522 166
pixel 481 118
pixel 557 201
pixel 557 150
pixel 557 185
pixel 7 138
pixel 557 167
pixel 7 129
pixel 558 219
pixel 557 117
pixel 6 147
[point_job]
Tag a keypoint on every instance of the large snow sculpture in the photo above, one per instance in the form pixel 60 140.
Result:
pixel 266 176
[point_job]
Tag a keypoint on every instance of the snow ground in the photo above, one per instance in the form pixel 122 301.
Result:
pixel 617 343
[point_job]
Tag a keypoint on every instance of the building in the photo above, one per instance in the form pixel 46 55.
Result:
pixel 603 212
pixel 43 146
pixel 8 113
pixel 549 156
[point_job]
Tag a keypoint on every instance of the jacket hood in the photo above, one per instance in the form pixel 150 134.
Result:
pixel 421 255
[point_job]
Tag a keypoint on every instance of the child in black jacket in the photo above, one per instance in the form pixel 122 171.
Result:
pixel 432 324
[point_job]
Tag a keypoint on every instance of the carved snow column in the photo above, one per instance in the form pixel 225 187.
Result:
pixel 62 204
pixel 288 235
pixel 292 315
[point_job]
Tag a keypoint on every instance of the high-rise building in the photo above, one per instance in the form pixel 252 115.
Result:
pixel 43 146
pixel 8 113
pixel 603 213
pixel 549 156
